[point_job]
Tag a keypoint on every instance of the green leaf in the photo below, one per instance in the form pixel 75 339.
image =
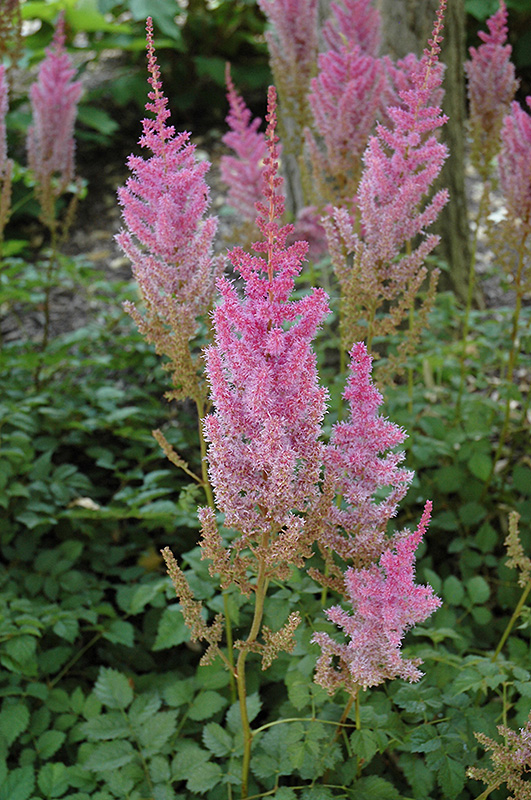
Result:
pixel 217 739
pixel 144 594
pixel 478 589
pixel 375 788
pixel 522 479
pixel 190 759
pixel 112 725
pixel 49 743
pixel 206 704
pixel 253 703
pixel 14 718
pixel 98 119
pixel 113 689
pixel 453 591
pixel 178 692
pixel 472 513
pixel 364 743
pixel 110 755
pixel 18 785
pixel 318 793
pixel 144 707
pixel 204 779
pixel 480 465
pixel 53 779
pixel 284 793
pixel 171 629
pixel 451 777
pixel 155 732
pixel 120 632
pixel 449 478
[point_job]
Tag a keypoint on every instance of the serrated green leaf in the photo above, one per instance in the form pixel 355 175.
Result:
pixel 49 743
pixel 171 629
pixel 144 594
pixel 113 689
pixel 19 784
pixel 190 758
pixel 264 766
pixel 217 739
pixel 205 779
pixel 153 733
pixel 478 589
pixel 112 725
pixel 110 755
pixel 14 719
pixel 364 743
pixel 284 793
pixel 317 793
pixel 299 692
pixel 206 704
pixel 144 707
pixel 253 703
pixel 178 692
pixel 53 779
pixel 375 788
pixel 419 776
pixel 120 632
pixel 451 777
pixel 212 677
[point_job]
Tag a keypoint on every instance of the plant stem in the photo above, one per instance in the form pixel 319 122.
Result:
pixel 511 622
pixel 260 593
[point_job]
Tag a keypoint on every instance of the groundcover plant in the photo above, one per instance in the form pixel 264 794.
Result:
pixel 295 513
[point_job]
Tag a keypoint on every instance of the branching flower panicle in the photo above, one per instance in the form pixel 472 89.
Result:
pixel 50 140
pixel 379 266
pixel 386 604
pixel 242 172
pixel 264 451
pixel 510 761
pixel 167 236
pixel 356 22
pixel 491 88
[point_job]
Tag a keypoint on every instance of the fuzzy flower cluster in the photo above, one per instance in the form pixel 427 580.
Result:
pixel 491 88
pixel 264 451
pixel 6 164
pixel 515 163
pixel 361 461
pixel 356 22
pixel 242 172
pixel 50 140
pixel 344 99
pixel 386 603
pixel 167 236
pixel 510 761
pixel 401 164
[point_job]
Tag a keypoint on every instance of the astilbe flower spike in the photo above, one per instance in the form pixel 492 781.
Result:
pixel 344 98
pixel 400 166
pixel 386 603
pixel 356 22
pixel 360 461
pixel 491 88
pixel 50 139
pixel 510 760
pixel 6 164
pixel 167 236
pixel 242 172
pixel 264 451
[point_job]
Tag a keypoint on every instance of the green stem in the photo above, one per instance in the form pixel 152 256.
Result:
pixel 210 500
pixel 470 295
pixel 512 359
pixel 260 593
pixel 511 622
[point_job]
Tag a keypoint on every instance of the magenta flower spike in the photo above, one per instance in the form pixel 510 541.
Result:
pixel 356 22
pixel 386 603
pixel 344 99
pixel 50 140
pixel 360 460
pixel 515 164
pixel 491 88
pixel 242 172
pixel 264 451
pixel 167 236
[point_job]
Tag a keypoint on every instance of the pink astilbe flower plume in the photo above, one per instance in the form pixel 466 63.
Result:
pixel 344 99
pixel 379 266
pixel 491 88
pixel 386 603
pixel 167 236
pixel 50 140
pixel 6 164
pixel 356 22
pixel 242 172
pixel 264 451
pixel 360 461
